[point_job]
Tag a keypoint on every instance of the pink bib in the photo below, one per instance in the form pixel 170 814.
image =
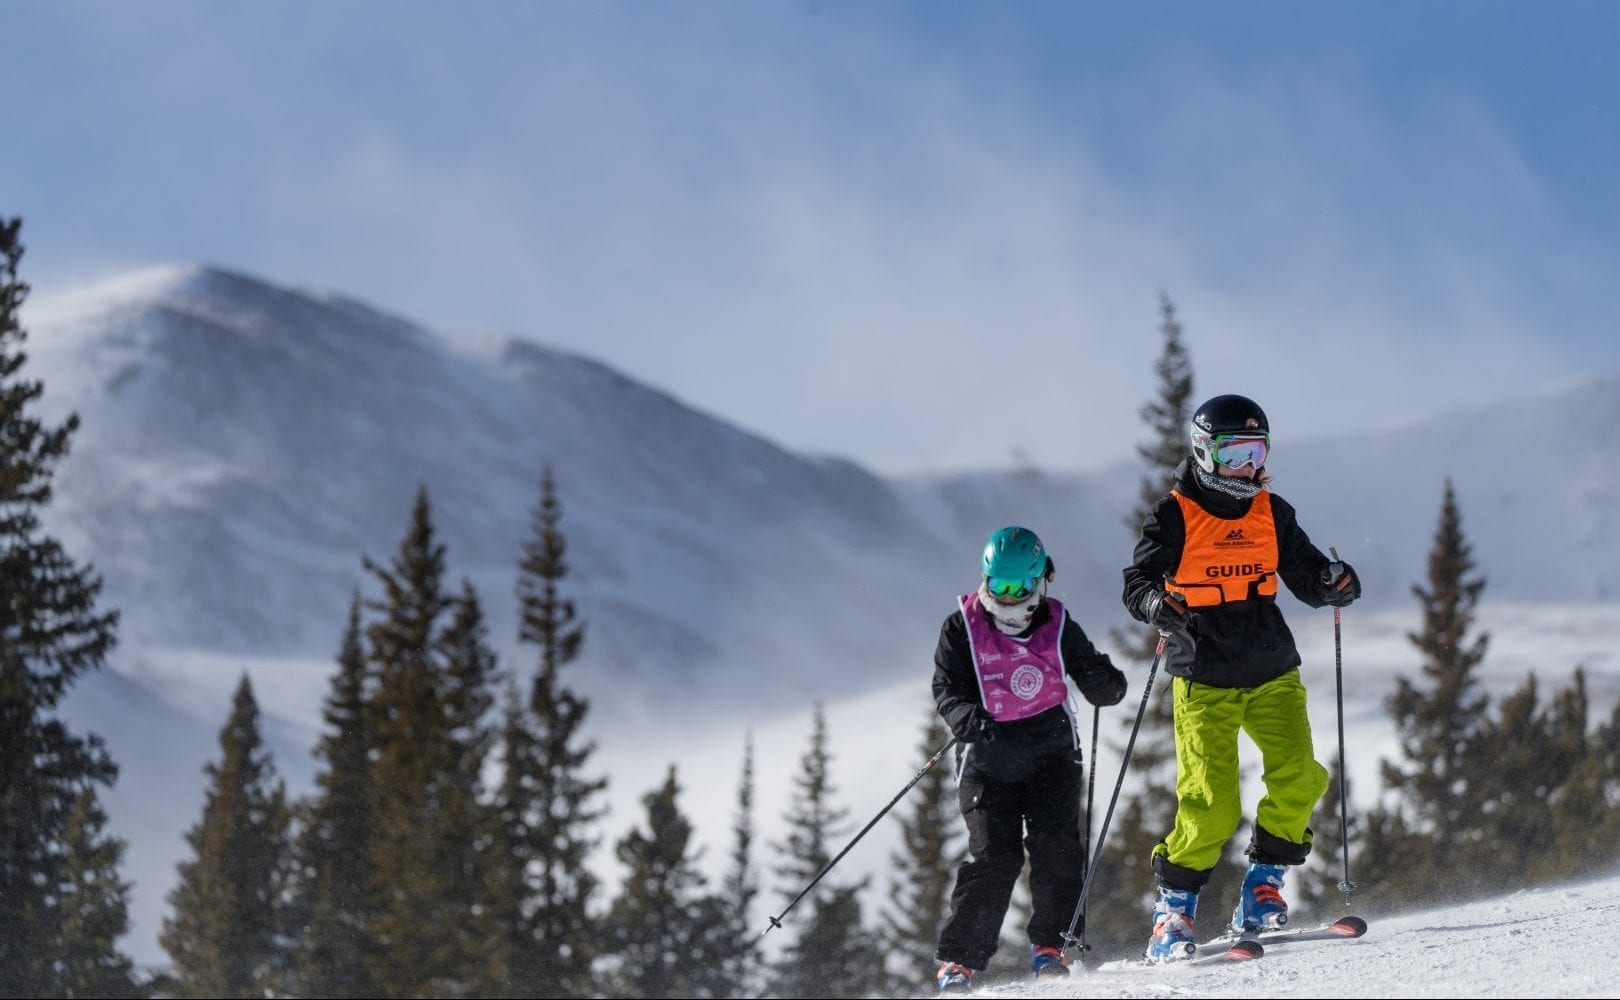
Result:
pixel 1018 678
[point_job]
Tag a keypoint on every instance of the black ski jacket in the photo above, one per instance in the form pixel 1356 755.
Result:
pixel 1017 748
pixel 1234 645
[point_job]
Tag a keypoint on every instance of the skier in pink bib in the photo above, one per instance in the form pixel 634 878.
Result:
pixel 1001 674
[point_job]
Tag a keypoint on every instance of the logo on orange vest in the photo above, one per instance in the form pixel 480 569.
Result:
pixel 1235 569
pixel 1027 681
pixel 1234 540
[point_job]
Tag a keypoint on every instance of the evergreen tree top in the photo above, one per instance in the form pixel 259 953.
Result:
pixel 545 618
pixel 52 634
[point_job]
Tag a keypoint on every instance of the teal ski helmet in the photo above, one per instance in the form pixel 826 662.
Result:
pixel 1015 556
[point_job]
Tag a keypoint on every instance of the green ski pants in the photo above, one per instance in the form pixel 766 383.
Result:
pixel 1209 805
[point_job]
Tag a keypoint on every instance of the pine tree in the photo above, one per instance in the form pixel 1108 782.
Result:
pixel 467 842
pixel 415 780
pixel 1434 810
pixel 922 871
pixel 226 936
pixel 95 908
pixel 548 772
pixel 513 941
pixel 1526 772
pixel 336 900
pixel 1167 417
pixel 741 887
pixel 473 670
pixel 1507 778
pixel 1585 813
pixel 1122 889
pixel 670 938
pixel 53 636
pixel 812 819
pixel 832 955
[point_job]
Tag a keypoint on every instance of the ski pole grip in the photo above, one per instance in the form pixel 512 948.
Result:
pixel 1335 569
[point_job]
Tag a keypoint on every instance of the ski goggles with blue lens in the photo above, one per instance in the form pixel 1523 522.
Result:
pixel 1005 591
pixel 1237 450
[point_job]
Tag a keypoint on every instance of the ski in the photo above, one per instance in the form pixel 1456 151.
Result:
pixel 1342 929
pixel 1215 953
pixel 1238 951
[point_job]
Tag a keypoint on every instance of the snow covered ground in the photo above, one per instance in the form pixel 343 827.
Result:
pixel 1550 942
pixel 1546 942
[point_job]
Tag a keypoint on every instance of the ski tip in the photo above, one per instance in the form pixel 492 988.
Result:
pixel 1349 927
pixel 1243 951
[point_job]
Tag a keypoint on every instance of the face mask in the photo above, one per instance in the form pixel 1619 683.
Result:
pixel 1011 619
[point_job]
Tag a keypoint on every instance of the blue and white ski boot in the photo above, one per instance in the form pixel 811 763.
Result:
pixel 1047 962
pixel 1260 904
pixel 954 979
pixel 1172 939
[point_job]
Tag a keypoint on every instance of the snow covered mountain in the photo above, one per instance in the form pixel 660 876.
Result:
pixel 244 445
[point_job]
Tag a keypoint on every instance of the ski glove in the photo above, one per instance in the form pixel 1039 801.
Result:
pixel 981 728
pixel 1180 650
pixel 1340 585
pixel 1165 611
pixel 1105 686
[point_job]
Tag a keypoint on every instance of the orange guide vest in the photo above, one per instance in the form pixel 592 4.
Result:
pixel 1224 561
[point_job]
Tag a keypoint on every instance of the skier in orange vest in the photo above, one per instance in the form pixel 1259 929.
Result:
pixel 1205 574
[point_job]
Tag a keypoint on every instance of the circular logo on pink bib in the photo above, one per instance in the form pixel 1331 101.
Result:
pixel 1027 681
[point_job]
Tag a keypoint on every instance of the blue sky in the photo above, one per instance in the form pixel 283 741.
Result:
pixel 925 236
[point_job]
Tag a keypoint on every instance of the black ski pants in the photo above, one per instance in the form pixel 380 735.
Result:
pixel 1042 813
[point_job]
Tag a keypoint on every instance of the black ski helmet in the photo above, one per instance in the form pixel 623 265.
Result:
pixel 1228 414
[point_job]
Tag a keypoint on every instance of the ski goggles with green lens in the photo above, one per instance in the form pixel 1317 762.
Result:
pixel 1237 450
pixel 1004 591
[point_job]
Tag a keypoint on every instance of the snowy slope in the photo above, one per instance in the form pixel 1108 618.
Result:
pixel 243 445
pixel 1542 942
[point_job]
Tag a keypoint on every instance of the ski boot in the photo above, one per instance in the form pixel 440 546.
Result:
pixel 1260 904
pixel 954 979
pixel 1047 962
pixel 1172 939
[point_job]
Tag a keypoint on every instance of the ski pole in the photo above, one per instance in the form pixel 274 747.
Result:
pixel 776 921
pixel 1069 940
pixel 1091 789
pixel 1346 887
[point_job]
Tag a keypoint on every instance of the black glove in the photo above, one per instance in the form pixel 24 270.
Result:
pixel 1165 611
pixel 982 728
pixel 1180 651
pixel 1340 585
pixel 1106 687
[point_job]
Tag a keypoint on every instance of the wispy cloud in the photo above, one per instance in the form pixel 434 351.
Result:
pixel 853 245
